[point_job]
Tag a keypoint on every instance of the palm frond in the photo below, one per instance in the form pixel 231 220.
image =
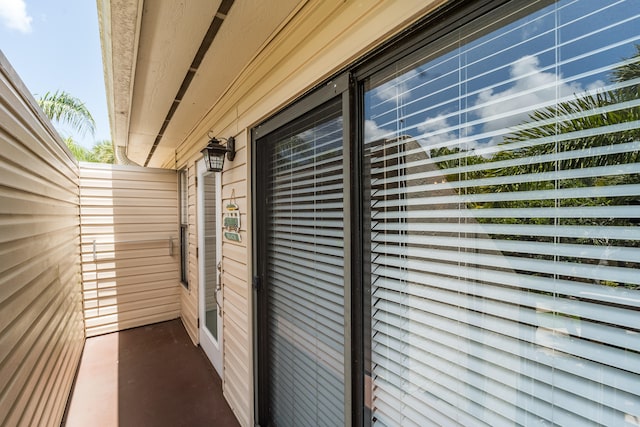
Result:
pixel 103 152
pixel 79 152
pixel 64 108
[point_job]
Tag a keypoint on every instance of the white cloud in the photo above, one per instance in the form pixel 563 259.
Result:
pixel 436 131
pixel 14 15
pixel 495 112
pixel 533 90
pixel 374 133
pixel 396 90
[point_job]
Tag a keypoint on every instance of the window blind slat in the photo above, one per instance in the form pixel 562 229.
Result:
pixel 536 312
pixel 550 212
pixel 629 147
pixel 593 311
pixel 569 231
pixel 518 179
pixel 445 339
pixel 417 374
pixel 558 331
pixel 603 253
pixel 627 276
pixel 570 193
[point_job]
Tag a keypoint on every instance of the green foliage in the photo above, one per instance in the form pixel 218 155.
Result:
pixel 78 151
pixel 102 151
pixel 629 71
pixel 64 108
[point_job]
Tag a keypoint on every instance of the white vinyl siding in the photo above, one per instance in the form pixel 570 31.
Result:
pixel 130 246
pixel 504 197
pixel 237 357
pixel 189 296
pixel 41 328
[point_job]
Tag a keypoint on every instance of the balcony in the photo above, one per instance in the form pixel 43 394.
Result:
pixel 490 236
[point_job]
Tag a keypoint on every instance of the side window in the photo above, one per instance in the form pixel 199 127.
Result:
pixel 184 228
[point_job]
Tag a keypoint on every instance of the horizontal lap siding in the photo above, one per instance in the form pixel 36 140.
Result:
pixel 236 309
pixel 41 332
pixel 321 38
pixel 189 297
pixel 132 279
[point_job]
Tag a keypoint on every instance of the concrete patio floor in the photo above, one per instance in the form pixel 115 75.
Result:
pixel 147 376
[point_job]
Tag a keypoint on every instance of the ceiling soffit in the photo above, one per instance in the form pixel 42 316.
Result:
pixel 247 28
pixel 169 37
pixel 153 118
pixel 167 63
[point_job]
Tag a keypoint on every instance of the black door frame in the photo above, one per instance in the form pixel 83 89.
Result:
pixel 337 87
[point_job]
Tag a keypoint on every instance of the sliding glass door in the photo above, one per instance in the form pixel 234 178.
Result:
pixel 452 236
pixel 502 177
pixel 302 224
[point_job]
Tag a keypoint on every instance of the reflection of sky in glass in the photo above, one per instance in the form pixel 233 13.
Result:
pixel 471 97
pixel 513 249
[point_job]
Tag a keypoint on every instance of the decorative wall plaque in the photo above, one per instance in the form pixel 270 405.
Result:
pixel 231 219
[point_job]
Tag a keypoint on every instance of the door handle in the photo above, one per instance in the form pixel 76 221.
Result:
pixel 219 286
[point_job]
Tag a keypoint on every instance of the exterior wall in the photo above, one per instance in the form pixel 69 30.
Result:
pixel 236 288
pixel 41 332
pixel 189 297
pixel 132 278
pixel 322 38
pixel 237 356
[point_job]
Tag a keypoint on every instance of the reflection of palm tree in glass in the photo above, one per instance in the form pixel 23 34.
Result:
pixel 558 149
pixel 601 110
pixel 569 128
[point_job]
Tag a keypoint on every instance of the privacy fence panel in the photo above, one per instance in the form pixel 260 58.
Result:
pixel 130 246
pixel 41 329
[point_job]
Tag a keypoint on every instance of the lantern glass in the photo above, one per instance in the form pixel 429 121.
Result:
pixel 215 162
pixel 214 154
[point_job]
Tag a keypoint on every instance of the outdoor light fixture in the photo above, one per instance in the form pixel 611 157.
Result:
pixel 214 153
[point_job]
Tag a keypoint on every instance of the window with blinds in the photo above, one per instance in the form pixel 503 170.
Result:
pixel 304 228
pixel 183 182
pixel 502 178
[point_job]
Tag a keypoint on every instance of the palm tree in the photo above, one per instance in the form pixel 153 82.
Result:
pixel 61 107
pixel 79 152
pixel 102 152
pixel 582 113
pixel 64 108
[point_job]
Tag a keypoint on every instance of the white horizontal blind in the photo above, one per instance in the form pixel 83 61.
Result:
pixel 504 198
pixel 305 264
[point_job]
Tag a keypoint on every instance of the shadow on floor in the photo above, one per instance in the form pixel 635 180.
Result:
pixel 147 376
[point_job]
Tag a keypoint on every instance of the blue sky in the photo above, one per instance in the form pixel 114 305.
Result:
pixel 55 45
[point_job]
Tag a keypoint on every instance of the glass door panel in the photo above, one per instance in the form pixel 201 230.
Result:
pixel 209 244
pixel 303 236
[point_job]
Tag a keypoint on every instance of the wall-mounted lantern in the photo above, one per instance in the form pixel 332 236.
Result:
pixel 214 153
